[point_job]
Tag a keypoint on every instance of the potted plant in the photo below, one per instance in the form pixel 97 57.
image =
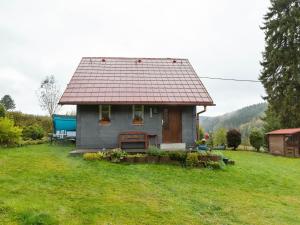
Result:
pixel 104 121
pixel 137 120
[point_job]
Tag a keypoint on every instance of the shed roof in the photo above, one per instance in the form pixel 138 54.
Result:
pixel 116 80
pixel 285 131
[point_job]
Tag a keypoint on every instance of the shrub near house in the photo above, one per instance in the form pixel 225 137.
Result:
pixel 154 155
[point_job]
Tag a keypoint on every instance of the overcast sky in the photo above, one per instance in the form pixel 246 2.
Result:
pixel 221 38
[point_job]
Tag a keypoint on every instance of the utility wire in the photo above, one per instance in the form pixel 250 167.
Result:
pixel 231 79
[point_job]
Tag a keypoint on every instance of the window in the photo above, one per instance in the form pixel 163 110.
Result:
pixel 137 114
pixel 289 140
pixel 104 114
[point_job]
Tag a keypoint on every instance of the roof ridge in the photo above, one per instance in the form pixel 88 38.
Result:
pixel 112 57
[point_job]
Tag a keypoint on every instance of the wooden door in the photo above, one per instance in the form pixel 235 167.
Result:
pixel 172 128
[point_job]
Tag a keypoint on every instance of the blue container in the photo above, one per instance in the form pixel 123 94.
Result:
pixel 202 148
pixel 64 123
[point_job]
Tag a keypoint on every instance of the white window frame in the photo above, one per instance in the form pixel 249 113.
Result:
pixel 100 112
pixel 133 111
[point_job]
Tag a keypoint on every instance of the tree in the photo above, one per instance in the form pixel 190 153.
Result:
pixel 220 137
pixel 200 133
pixel 271 120
pixel 280 75
pixel 256 139
pixel 233 138
pixel 49 94
pixel 2 110
pixel 8 102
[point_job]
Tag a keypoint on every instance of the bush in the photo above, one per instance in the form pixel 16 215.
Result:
pixel 94 156
pixel 137 155
pixel 102 155
pixel 2 110
pixel 215 165
pixel 192 159
pixel 25 120
pixel 219 137
pixel 233 138
pixel 9 134
pixel 116 155
pixel 33 132
pixel 179 156
pixel 154 151
pixel 256 139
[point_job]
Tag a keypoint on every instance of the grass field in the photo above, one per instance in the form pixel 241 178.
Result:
pixel 42 183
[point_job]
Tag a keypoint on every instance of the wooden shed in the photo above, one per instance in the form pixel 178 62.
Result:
pixel 284 142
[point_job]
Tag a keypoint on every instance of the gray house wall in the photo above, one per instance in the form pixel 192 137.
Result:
pixel 91 134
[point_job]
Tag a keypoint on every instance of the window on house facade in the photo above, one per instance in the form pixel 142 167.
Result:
pixel 104 114
pixel 138 114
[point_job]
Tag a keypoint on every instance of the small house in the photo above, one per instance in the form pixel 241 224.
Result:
pixel 135 100
pixel 284 142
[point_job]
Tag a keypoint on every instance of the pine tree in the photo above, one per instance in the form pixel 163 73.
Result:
pixel 8 102
pixel 281 62
pixel 271 121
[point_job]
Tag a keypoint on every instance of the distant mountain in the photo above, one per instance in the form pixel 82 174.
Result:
pixel 243 119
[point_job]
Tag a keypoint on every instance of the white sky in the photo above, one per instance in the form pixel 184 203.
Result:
pixel 221 38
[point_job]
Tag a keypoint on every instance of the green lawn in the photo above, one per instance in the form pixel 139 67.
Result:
pixel 43 182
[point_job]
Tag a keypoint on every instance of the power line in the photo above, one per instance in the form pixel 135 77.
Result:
pixel 231 79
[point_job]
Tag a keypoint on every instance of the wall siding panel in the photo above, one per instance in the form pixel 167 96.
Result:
pixel 90 134
pixel 276 144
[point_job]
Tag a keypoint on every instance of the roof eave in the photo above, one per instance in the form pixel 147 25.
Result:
pixel 139 103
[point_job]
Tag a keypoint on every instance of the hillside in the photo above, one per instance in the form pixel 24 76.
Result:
pixel 244 119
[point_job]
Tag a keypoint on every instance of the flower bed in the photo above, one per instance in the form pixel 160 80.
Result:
pixel 183 158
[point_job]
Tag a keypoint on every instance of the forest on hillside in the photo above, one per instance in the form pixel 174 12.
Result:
pixel 244 119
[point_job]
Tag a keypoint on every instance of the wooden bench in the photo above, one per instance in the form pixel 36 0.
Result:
pixel 133 137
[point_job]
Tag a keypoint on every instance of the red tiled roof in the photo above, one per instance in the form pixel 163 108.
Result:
pixel 110 80
pixel 285 131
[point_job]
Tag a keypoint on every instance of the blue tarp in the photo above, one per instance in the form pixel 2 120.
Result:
pixel 65 123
